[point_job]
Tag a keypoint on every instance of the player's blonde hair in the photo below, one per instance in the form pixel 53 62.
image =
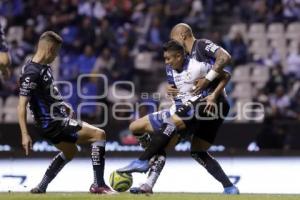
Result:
pixel 51 36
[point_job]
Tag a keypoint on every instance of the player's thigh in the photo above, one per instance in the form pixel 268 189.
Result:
pixel 69 149
pixel 178 121
pixel 90 134
pixel 199 144
pixel 140 126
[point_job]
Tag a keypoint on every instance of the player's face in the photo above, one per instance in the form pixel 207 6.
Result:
pixel 174 59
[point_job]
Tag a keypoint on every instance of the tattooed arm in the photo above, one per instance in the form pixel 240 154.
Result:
pixel 222 58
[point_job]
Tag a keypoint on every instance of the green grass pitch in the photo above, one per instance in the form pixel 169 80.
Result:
pixel 156 196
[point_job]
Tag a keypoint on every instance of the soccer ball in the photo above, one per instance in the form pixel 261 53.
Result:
pixel 120 182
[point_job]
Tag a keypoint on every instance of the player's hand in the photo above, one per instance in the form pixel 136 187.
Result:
pixel 199 85
pixel 211 105
pixel 26 143
pixel 172 91
pixel 70 110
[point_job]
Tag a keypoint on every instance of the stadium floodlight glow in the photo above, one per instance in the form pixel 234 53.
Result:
pixel 131 91
pixel 54 87
pixel 79 86
pixel 104 112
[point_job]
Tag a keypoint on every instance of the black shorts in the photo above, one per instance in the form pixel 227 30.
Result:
pixel 62 131
pixel 205 127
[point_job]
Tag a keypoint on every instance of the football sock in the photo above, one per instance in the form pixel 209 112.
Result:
pixel 156 169
pixel 98 161
pixel 56 165
pixel 212 166
pixel 144 140
pixel 158 141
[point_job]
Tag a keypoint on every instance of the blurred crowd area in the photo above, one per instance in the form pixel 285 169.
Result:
pixel 122 40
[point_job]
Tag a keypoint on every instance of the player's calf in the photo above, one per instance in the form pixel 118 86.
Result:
pixel 98 162
pixel 212 166
pixel 54 168
pixel 157 164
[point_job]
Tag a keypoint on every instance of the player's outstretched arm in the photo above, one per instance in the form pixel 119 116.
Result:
pixel 22 114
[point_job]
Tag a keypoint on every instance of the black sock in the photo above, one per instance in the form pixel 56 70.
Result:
pixel 212 166
pixel 98 161
pixel 158 141
pixel 144 140
pixel 56 165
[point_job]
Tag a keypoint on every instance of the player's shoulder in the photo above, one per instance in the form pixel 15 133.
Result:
pixel 204 41
pixel 32 68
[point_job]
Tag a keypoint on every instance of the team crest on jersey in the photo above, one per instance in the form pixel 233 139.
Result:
pixel 188 76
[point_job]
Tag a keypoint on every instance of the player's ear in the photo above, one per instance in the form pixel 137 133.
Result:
pixel 182 36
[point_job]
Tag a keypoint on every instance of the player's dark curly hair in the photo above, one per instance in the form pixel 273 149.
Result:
pixel 173 45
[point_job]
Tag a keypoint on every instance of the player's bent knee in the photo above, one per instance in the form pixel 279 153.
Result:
pixel 98 134
pixel 133 127
pixel 137 128
pixel 70 153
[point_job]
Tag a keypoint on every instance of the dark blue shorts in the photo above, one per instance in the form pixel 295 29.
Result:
pixel 62 131
pixel 207 129
pixel 156 119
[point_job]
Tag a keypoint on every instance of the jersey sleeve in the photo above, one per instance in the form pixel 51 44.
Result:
pixel 28 84
pixel 169 73
pixel 206 48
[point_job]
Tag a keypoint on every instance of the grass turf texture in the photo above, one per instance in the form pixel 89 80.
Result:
pixel 156 196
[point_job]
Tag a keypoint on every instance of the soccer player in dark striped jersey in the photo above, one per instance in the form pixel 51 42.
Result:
pixel 53 117
pixel 4 55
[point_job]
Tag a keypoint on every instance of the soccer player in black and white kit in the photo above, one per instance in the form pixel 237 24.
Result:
pixel 208 54
pixel 52 116
pixel 4 55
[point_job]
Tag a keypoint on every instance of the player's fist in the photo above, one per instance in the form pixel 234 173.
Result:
pixel 199 85
pixel 172 91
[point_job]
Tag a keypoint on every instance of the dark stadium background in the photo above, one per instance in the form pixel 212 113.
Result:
pixel 123 40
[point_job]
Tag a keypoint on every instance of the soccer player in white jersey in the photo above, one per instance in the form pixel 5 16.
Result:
pixel 182 72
